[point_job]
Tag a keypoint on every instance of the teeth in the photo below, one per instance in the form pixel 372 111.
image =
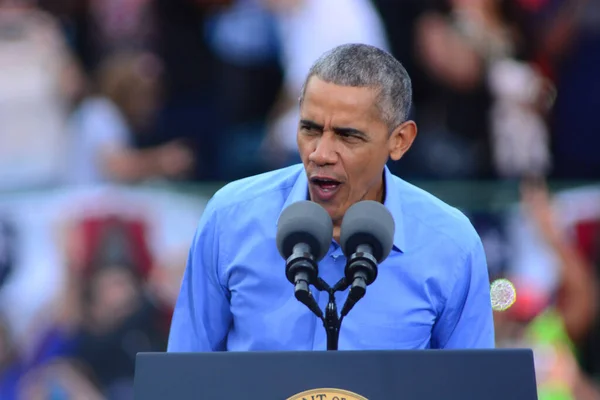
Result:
pixel 327 186
pixel 325 182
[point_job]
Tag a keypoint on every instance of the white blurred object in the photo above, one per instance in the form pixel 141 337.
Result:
pixel 310 29
pixel 97 125
pixel 33 108
pixel 519 133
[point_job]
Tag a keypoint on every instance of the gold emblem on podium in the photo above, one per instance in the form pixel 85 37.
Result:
pixel 327 394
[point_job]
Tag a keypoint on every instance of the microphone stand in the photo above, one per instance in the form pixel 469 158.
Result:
pixel 332 322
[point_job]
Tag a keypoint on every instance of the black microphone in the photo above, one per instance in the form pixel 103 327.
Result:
pixel 367 237
pixel 304 234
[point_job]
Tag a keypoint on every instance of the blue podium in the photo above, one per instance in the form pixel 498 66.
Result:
pixel 498 374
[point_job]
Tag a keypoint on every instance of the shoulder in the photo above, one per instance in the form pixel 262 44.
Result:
pixel 433 218
pixel 269 190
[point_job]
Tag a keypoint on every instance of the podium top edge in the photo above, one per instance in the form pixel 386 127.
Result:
pixel 448 352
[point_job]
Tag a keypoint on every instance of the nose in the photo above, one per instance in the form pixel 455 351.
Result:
pixel 325 152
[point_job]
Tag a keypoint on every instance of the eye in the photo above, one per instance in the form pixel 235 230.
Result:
pixel 310 130
pixel 350 137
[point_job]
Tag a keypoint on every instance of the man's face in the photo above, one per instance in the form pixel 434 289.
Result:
pixel 344 145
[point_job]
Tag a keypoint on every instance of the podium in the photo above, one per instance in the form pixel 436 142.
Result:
pixel 497 374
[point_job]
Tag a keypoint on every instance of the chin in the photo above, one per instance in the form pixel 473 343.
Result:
pixel 334 212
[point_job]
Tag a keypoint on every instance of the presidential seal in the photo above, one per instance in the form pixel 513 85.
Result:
pixel 327 394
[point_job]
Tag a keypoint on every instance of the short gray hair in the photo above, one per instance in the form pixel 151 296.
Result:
pixel 361 65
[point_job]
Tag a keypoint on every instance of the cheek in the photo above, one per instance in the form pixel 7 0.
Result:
pixel 358 162
pixel 363 168
pixel 304 147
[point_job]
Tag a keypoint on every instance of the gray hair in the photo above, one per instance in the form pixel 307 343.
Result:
pixel 361 65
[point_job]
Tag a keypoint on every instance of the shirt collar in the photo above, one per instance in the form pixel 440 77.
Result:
pixel 392 202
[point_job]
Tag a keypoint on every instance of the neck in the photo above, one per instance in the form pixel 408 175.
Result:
pixel 336 233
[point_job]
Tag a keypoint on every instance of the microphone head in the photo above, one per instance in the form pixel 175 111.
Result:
pixel 368 222
pixel 304 222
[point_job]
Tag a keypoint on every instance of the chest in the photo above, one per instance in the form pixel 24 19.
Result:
pixel 397 312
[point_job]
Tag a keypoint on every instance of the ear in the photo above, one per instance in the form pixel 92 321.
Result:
pixel 401 139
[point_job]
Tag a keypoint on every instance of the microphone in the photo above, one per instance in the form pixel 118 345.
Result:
pixel 304 234
pixel 366 238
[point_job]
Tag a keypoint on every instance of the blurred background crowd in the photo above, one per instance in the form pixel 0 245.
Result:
pixel 120 118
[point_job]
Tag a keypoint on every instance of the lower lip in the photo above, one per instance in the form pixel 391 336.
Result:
pixel 325 194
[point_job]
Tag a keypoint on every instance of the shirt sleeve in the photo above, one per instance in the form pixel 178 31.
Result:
pixel 467 319
pixel 202 317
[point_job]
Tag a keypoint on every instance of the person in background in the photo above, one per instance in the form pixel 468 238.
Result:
pixel 119 317
pixel 191 108
pixel 576 304
pixel 105 127
pixel 106 314
pixel 478 95
pixel 40 82
pixel 244 40
pixel 534 322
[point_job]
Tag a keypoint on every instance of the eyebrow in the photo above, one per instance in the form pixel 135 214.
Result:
pixel 337 129
pixel 311 124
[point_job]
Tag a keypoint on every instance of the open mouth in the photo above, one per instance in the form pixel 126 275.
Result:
pixel 325 187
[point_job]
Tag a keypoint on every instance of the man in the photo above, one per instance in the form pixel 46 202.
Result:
pixel 433 289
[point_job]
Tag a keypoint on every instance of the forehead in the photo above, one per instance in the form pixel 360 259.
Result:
pixel 326 101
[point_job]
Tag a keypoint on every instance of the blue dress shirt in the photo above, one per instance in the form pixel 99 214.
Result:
pixel 433 290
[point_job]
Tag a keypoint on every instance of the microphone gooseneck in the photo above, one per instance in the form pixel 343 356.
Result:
pixel 361 270
pixel 302 270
